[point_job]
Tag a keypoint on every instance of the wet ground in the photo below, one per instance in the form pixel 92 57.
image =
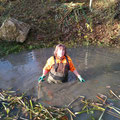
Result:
pixel 100 67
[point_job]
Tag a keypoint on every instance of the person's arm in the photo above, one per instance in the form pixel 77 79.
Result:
pixel 78 76
pixel 41 78
pixel 73 69
pixel 76 73
pixel 46 69
pixel 45 72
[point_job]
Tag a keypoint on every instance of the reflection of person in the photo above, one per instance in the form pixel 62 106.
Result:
pixel 58 66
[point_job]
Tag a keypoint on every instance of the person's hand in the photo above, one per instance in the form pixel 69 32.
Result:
pixel 81 79
pixel 41 79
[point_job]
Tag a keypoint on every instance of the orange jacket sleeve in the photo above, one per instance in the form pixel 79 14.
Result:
pixel 49 64
pixel 71 65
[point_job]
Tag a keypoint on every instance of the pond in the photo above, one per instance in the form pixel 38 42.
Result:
pixel 100 67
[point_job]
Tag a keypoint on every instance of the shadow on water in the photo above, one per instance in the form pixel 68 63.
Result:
pixel 100 67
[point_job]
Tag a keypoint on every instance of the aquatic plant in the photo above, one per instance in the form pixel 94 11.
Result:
pixel 16 105
pixel 19 106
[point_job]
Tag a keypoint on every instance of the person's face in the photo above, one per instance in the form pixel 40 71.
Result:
pixel 60 52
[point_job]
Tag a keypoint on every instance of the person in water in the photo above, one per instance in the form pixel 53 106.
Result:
pixel 58 66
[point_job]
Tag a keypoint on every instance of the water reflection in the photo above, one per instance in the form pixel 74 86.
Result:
pixel 100 67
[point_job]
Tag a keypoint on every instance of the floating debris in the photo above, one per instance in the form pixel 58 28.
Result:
pixel 20 106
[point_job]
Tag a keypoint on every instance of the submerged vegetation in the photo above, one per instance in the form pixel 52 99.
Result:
pixel 61 21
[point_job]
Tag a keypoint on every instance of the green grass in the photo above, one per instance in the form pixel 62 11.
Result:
pixel 13 47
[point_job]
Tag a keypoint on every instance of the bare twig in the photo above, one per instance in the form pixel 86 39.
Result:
pixel 114 94
pixel 23 118
pixel 114 114
pixel 103 96
pixel 65 16
pixel 100 118
pixel 70 112
pixel 49 113
pixel 75 100
pixel 71 117
pixel 114 109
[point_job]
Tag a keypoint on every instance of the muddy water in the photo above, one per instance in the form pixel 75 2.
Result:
pixel 100 67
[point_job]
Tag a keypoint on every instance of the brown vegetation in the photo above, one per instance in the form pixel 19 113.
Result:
pixel 53 22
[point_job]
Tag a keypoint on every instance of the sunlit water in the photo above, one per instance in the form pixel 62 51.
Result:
pixel 100 67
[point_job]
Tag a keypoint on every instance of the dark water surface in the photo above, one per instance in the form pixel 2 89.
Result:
pixel 100 67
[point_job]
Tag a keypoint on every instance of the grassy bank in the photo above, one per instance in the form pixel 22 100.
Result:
pixel 54 22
